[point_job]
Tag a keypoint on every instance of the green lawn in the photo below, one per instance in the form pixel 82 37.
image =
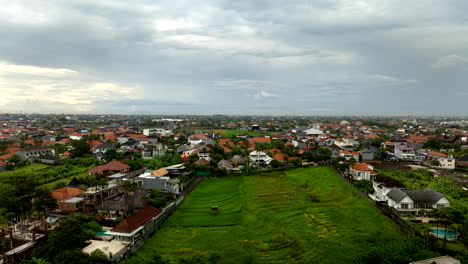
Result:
pixel 65 181
pixel 300 216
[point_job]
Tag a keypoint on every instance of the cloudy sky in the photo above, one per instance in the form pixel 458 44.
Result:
pixel 234 57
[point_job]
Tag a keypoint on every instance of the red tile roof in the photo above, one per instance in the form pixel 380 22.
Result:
pixel 111 166
pixel 136 220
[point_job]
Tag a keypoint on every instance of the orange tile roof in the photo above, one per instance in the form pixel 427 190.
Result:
pixel 280 157
pixel 361 167
pixel 66 193
pixel 433 153
pixel 260 140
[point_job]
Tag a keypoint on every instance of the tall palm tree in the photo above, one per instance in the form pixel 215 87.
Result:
pixel 130 187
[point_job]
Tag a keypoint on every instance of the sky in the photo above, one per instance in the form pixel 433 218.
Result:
pixel 316 57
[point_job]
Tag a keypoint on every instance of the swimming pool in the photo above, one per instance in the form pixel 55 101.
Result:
pixel 102 233
pixel 444 233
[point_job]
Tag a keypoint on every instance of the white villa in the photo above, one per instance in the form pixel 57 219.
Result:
pixel 260 158
pixel 413 201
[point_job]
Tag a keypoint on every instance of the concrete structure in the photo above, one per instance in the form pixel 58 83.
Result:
pixel 159 179
pixel 438 260
pixel 113 249
pixel 155 132
pixel 35 153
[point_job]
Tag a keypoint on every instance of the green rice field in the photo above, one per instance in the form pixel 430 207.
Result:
pixel 299 216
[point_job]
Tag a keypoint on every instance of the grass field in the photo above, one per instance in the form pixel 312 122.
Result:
pixel 300 216
pixel 24 170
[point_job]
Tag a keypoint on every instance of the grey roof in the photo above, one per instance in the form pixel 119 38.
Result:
pixel 424 196
pixel 238 159
pixel 396 194
pixel 463 158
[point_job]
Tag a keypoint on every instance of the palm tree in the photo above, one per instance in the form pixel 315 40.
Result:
pixel 130 187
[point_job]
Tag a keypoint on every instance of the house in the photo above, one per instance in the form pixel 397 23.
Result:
pixel 382 186
pixel 462 162
pixel 159 179
pixel 225 164
pixel 366 154
pixel 197 139
pixel 446 161
pixel 109 168
pixel 176 170
pixel 137 227
pixel 99 150
pixel 69 199
pixel 413 201
pixel 35 153
pixel 127 235
pixel 259 158
pixel 122 205
pixel 361 171
pixel 403 152
pixel 349 154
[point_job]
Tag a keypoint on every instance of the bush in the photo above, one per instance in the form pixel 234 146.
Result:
pixel 365 186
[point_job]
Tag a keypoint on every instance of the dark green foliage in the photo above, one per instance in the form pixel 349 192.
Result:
pixel 364 186
pixel 65 242
pixel 377 142
pixel 398 252
pixel 141 258
pixel 43 199
pixel 276 164
pixel 432 144
pixel 80 148
pixel 111 154
pixel 163 161
pixel 135 164
pixel 155 198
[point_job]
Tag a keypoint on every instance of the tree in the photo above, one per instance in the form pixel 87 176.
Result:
pixel 80 148
pixel 365 186
pixel 276 164
pixel 432 144
pixel 324 154
pixel 110 155
pixel 43 200
pixel 130 187
pixel 434 162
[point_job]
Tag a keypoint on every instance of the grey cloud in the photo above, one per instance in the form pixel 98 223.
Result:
pixel 234 56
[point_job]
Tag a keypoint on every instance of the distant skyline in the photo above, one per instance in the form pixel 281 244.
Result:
pixel 324 57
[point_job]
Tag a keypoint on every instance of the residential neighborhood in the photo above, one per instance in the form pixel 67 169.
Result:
pixel 128 174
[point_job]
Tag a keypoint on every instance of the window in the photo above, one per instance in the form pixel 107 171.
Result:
pixel 404 206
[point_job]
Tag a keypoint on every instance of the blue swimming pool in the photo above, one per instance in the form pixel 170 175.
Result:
pixel 102 233
pixel 444 233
